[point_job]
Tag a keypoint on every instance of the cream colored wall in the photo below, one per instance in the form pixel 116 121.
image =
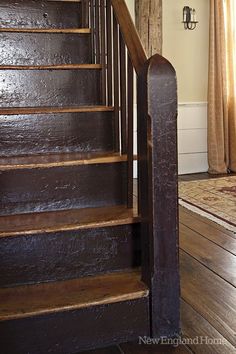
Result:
pixel 130 4
pixel 187 50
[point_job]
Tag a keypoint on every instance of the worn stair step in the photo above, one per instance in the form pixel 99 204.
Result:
pixel 22 88
pixel 65 314
pixel 52 130
pixel 66 220
pixel 52 67
pixel 46 30
pixel 61 181
pixel 42 299
pixel 43 14
pixel 50 110
pixel 43 247
pixel 44 48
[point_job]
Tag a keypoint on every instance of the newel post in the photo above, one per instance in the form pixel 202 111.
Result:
pixel 157 145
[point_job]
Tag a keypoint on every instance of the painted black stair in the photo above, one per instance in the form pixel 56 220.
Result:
pixel 63 181
pixel 58 129
pixel 74 315
pixel 50 48
pixel 40 14
pixel 67 244
pixel 32 88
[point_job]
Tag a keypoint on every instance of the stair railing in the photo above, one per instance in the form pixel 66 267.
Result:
pixel 116 45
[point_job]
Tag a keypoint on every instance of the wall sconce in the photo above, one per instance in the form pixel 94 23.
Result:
pixel 189 18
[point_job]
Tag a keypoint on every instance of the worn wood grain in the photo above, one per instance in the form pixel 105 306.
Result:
pixel 206 225
pixel 209 295
pixel 21 88
pixel 220 238
pixel 50 110
pixel 66 220
pixel 209 254
pixel 44 48
pixel 149 25
pixel 157 151
pixel 64 187
pixel 43 14
pixel 33 300
pixel 68 254
pixel 57 133
pixel 78 330
pixel 65 0
pixel 78 314
pixel 47 30
pixel 195 327
pixel 59 160
pixel 52 67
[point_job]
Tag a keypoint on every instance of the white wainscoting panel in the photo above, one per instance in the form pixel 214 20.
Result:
pixel 192 137
pixel 192 141
pixel 192 163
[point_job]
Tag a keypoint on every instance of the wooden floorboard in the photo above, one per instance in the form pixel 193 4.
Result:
pixel 208 304
pixel 211 296
pixel 194 325
pixel 209 231
pixel 110 350
pixel 202 223
pixel 217 259
pixel 153 349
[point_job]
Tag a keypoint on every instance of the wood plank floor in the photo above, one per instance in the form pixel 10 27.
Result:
pixel 208 289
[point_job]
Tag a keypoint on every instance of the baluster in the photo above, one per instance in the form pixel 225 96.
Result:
pixel 103 50
pixel 97 30
pixel 85 13
pixel 109 53
pixel 92 25
pixel 116 83
pixel 123 86
pixel 130 131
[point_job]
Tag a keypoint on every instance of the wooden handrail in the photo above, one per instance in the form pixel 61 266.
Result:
pixel 130 35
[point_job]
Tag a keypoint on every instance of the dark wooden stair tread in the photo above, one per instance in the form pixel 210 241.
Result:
pixel 52 67
pixel 58 160
pixel 45 110
pixel 47 30
pixel 64 0
pixel 66 220
pixel 32 300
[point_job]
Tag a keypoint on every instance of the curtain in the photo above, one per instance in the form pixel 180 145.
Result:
pixel 222 89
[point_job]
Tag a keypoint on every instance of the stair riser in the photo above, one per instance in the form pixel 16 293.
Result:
pixel 44 49
pixel 43 14
pixel 74 331
pixel 28 88
pixel 68 254
pixel 57 188
pixel 48 133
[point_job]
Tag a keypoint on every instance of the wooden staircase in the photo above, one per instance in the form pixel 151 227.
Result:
pixel 77 269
